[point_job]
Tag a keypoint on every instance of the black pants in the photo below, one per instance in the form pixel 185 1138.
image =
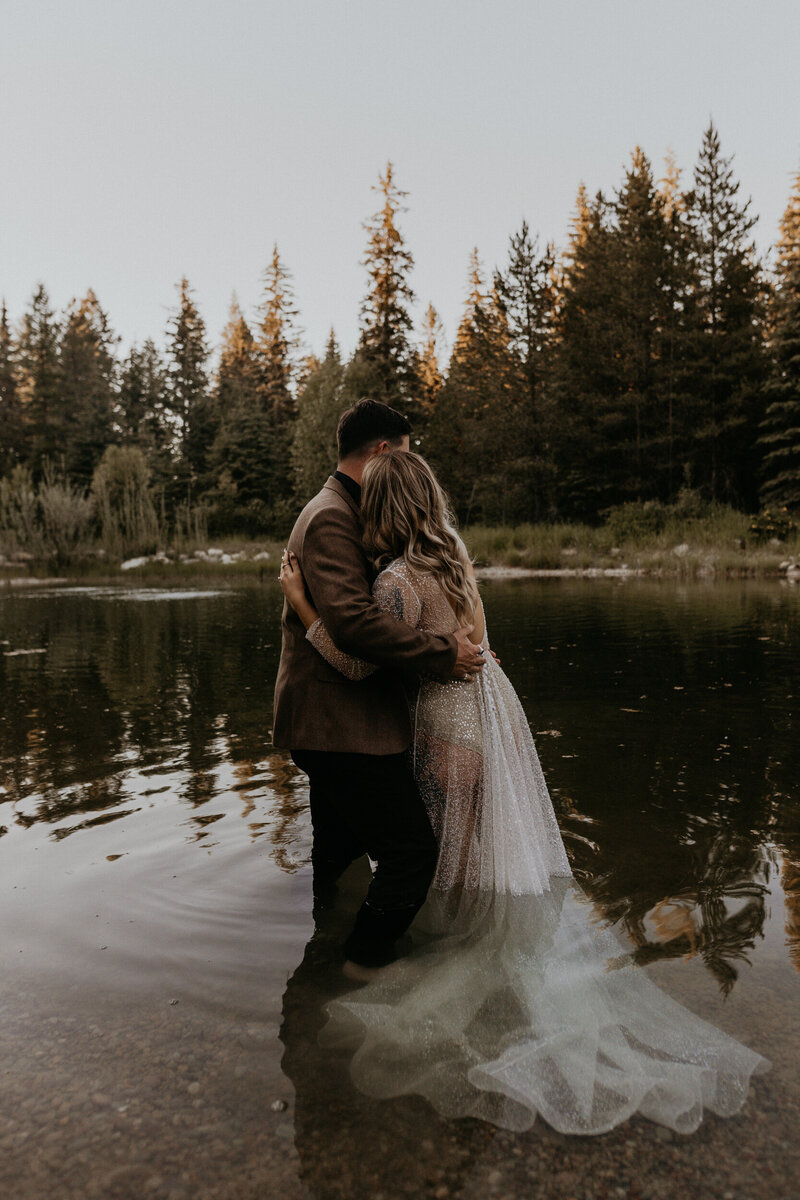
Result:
pixel 369 804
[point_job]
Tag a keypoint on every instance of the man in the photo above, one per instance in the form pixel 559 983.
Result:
pixel 350 737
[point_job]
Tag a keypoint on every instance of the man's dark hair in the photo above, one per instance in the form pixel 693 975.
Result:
pixel 368 422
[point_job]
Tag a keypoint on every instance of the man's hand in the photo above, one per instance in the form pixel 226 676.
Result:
pixel 470 656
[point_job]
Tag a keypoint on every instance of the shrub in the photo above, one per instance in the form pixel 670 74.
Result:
pixel 120 486
pixel 19 513
pixel 66 515
pixel 190 526
pixel 691 506
pixel 635 520
pixel 773 523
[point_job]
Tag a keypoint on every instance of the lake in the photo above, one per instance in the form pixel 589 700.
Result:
pixel 161 982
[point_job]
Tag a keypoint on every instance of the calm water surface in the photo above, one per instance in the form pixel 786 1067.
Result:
pixel 158 964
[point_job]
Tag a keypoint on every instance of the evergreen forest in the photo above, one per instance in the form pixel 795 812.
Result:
pixel 653 360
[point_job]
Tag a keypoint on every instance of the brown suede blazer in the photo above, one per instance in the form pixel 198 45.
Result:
pixel 317 708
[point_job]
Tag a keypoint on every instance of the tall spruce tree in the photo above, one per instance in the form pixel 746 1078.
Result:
pixel 585 370
pixel 389 360
pixel 238 377
pixel 142 412
pixel 187 395
pixel 430 374
pixel 319 404
pixel 473 433
pixel 678 318
pixel 11 431
pixel 638 420
pixel 616 359
pixel 780 430
pixel 526 293
pixel 725 360
pixel 39 382
pixel 277 342
pixel 87 386
pixel 240 463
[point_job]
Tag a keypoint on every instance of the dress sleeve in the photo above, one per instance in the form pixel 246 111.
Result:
pixel 353 668
pixel 395 594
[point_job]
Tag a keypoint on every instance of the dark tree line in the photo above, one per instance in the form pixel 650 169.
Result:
pixel 655 354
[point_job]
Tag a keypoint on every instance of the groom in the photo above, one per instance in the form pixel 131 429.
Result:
pixel 350 737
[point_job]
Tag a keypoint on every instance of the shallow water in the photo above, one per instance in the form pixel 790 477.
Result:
pixel 156 949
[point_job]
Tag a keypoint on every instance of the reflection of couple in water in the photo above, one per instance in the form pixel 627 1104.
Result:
pixel 509 1000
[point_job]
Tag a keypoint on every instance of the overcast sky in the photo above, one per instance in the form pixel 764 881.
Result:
pixel 146 139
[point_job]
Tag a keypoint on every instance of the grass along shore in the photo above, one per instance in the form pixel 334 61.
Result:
pixel 717 544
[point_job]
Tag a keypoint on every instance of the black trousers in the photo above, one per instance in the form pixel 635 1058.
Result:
pixel 369 804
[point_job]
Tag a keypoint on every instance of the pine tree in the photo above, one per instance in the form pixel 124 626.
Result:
pixel 386 323
pixel 638 420
pixel 725 355
pixel 238 378
pixel 38 382
pixel 473 434
pixel 669 189
pixel 187 394
pixel 240 459
pixel 448 444
pixel 277 346
pixel 87 386
pixel 780 430
pixel 11 431
pixel 360 379
pixel 277 341
pixel 615 367
pixel 526 292
pixel 431 377
pixel 585 372
pixel 678 319
pixel 142 414
pixel 319 403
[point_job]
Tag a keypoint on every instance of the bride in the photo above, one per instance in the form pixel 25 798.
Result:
pixel 515 1000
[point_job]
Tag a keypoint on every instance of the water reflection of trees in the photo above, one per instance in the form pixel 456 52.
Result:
pixel 718 915
pixel 791 892
pixel 676 772
pixel 176 688
pixel 679 746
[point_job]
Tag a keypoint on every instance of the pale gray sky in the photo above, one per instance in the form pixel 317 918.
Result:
pixel 145 139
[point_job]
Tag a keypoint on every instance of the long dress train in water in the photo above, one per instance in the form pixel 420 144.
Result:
pixel 515 1000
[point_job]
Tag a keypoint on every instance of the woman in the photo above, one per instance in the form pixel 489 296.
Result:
pixel 514 1001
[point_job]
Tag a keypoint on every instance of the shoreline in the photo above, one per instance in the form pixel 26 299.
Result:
pixel 172 573
pixel 524 552
pixel 708 573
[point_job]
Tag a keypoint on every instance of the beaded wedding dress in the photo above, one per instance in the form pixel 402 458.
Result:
pixel 515 1000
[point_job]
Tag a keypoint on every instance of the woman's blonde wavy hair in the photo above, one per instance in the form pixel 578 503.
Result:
pixel 406 515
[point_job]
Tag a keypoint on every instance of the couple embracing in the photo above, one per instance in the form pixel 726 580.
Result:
pixel 513 1001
